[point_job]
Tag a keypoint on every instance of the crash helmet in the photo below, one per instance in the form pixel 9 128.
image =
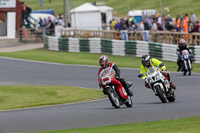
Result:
pixel 182 43
pixel 103 61
pixel 145 60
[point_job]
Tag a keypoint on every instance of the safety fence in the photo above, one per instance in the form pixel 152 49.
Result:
pixel 156 36
pixel 29 35
pixel 117 47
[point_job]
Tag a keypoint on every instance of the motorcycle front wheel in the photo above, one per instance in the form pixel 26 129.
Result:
pixel 160 94
pixel 113 97
pixel 129 103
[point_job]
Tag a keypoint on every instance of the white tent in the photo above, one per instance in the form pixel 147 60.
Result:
pixel 147 12
pixel 86 16
pixel 135 13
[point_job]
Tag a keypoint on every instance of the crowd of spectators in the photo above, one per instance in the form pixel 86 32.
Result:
pixel 47 25
pixel 182 23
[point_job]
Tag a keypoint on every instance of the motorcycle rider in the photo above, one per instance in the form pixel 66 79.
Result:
pixel 104 63
pixel 148 62
pixel 182 46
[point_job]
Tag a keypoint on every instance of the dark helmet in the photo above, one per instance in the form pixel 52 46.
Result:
pixel 103 61
pixel 145 60
pixel 182 43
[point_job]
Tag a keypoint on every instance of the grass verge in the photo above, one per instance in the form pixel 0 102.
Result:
pixel 186 125
pixel 22 96
pixel 85 58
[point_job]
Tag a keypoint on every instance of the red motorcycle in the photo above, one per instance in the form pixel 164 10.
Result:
pixel 114 89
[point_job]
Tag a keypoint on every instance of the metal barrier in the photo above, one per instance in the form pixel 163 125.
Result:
pixel 30 36
pixel 158 36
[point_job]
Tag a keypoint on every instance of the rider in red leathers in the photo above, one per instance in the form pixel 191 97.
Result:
pixel 103 62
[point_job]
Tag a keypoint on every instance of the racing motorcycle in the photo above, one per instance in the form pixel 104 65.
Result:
pixel 186 63
pixel 159 84
pixel 114 89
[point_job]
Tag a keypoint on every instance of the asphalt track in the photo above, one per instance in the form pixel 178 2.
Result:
pixel 147 107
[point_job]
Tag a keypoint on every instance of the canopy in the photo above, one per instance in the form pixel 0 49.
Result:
pixel 135 13
pixel 48 11
pixel 104 9
pixel 87 7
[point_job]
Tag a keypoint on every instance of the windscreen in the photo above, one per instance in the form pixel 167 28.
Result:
pixel 106 72
pixel 151 70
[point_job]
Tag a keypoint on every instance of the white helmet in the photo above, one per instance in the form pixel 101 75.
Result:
pixel 182 41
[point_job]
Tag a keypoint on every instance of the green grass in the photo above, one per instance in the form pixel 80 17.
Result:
pixel 22 96
pixel 85 58
pixel 120 6
pixel 186 125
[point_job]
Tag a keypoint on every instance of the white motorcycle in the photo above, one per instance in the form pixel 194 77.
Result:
pixel 186 63
pixel 159 84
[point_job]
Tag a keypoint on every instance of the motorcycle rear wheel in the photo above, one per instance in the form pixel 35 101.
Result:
pixel 113 97
pixel 161 94
pixel 172 98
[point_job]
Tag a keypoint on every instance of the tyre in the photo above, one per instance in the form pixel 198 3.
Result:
pixel 172 98
pixel 129 103
pixel 160 94
pixel 113 97
pixel 184 72
pixel 189 72
pixel 189 67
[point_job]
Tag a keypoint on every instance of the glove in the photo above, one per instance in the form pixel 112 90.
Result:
pixel 165 74
pixel 146 84
pixel 164 71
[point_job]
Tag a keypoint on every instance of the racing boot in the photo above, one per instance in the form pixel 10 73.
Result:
pixel 171 89
pixel 128 85
pixel 172 85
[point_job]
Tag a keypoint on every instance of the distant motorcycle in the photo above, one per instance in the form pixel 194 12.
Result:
pixel 159 84
pixel 113 88
pixel 186 63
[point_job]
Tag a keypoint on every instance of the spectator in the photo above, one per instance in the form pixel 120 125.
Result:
pixel 193 18
pixel 146 25
pixel 159 27
pixel 149 22
pixel 50 27
pixel 113 23
pixel 28 11
pixel 160 20
pixel 118 26
pixel 41 23
pixel 185 23
pixel 168 22
pixel 178 23
pixel 123 24
pixel 23 13
pixel 132 27
pixel 60 20
pixel 190 28
pixel 196 27
pixel 140 26
pixel 154 27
